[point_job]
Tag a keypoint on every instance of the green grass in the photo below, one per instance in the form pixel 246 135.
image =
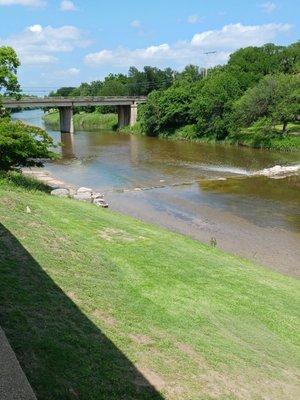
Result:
pixel 100 306
pixel 85 120
pixel 287 142
pixel 293 127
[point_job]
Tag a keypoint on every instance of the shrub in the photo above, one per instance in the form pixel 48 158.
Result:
pixel 23 145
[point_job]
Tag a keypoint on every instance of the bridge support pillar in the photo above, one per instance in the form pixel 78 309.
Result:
pixel 127 115
pixel 123 116
pixel 66 119
pixel 133 114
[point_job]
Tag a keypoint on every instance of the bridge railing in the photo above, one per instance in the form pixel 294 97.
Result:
pixel 73 98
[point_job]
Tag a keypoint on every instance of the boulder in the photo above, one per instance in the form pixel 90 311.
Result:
pixel 84 190
pixel 100 203
pixel 97 196
pixel 60 192
pixel 83 196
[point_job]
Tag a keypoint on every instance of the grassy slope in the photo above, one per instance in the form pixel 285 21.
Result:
pixel 198 323
pixel 85 120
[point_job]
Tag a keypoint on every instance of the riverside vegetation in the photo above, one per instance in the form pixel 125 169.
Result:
pixel 253 100
pixel 85 120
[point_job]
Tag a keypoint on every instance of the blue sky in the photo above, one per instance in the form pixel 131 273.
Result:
pixel 67 42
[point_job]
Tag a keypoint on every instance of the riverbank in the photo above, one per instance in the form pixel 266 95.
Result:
pixel 121 308
pixel 95 120
pixel 275 248
pixel 290 142
pixel 287 142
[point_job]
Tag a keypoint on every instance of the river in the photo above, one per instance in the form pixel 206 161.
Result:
pixel 201 190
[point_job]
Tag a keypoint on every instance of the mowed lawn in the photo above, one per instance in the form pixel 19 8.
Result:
pixel 98 305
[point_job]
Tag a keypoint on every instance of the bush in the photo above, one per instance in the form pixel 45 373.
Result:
pixel 187 132
pixel 23 146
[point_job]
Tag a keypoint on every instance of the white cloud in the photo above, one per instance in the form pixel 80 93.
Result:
pixel 40 45
pixel 67 5
pixel 26 3
pixel 62 74
pixel 60 77
pixel 233 36
pixel 73 71
pixel 136 24
pixel 35 28
pixel 193 19
pixel 223 41
pixel 268 6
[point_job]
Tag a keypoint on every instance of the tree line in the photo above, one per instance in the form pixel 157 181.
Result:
pixel 259 87
pixel 254 92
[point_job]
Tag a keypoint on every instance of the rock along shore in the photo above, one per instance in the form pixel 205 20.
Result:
pixel 61 189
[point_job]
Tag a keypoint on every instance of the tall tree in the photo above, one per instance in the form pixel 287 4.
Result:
pixel 212 107
pixel 20 144
pixel 9 63
pixel 276 97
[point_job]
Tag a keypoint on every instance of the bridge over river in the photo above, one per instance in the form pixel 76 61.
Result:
pixel 126 106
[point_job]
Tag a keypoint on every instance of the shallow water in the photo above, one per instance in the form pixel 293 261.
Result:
pixel 198 189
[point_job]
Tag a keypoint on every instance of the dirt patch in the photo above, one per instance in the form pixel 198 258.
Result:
pixel 73 297
pixel 141 339
pixel 34 224
pixel 147 377
pixel 112 234
pixel 8 202
pixel 187 349
pixel 223 383
pixel 107 319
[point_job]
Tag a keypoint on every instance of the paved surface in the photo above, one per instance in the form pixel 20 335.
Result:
pixel 13 382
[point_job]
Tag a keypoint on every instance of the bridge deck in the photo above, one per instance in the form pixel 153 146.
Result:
pixel 33 102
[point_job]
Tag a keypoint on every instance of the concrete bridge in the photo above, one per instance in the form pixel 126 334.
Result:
pixel 126 106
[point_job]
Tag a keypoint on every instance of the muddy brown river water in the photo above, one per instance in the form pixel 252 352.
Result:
pixel 201 190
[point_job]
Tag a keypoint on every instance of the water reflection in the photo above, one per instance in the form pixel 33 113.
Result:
pixel 285 190
pixel 67 145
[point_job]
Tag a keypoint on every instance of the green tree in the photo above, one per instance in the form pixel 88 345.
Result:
pixel 275 97
pixel 20 145
pixel 63 92
pixel 191 73
pixel 23 145
pixel 148 80
pixel 250 64
pixel 9 64
pixel 169 109
pixel 213 104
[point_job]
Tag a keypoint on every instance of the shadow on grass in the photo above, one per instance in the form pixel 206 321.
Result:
pixel 17 179
pixel 63 354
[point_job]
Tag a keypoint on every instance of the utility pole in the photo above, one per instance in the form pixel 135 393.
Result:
pixel 206 68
